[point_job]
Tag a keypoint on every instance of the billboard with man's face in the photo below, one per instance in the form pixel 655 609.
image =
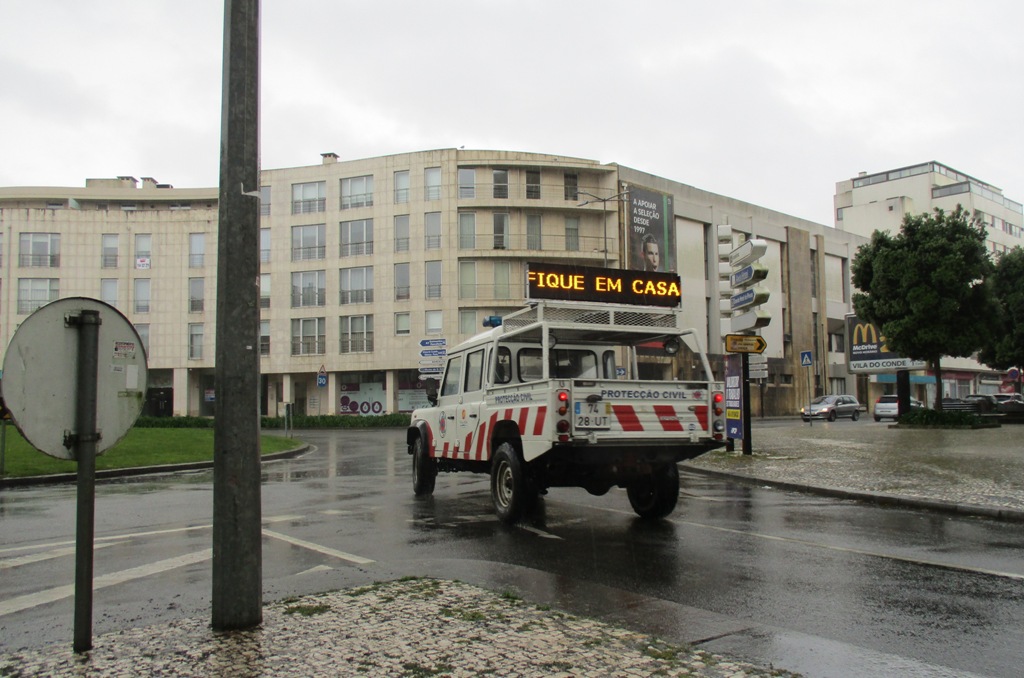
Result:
pixel 650 231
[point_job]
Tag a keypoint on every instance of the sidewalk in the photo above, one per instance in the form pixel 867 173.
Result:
pixel 973 472
pixel 424 627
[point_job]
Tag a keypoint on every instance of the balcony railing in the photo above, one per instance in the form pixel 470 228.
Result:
pixel 354 249
pixel 356 345
pixel 309 205
pixel 195 305
pixel 434 291
pixel 402 293
pixel 39 260
pixel 356 200
pixel 310 297
pixel 308 253
pixel 309 345
pixel 108 261
pixel 142 305
pixel 196 260
pixel 30 305
pixel 355 297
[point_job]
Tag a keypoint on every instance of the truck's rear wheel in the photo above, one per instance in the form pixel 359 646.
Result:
pixel 511 491
pixel 424 469
pixel 655 496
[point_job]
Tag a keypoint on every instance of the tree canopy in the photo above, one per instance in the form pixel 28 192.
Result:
pixel 1005 347
pixel 925 288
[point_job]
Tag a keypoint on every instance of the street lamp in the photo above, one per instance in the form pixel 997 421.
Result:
pixel 618 197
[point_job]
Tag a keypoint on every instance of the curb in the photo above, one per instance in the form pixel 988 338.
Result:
pixel 107 474
pixel 880 498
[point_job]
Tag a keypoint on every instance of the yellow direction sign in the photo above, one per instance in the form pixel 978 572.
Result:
pixel 745 343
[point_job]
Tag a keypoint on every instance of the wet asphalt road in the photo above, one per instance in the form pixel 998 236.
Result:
pixel 811 584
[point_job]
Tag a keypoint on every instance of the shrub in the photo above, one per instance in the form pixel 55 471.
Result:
pixel 399 420
pixel 925 417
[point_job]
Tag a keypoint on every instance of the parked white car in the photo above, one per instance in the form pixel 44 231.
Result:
pixel 887 407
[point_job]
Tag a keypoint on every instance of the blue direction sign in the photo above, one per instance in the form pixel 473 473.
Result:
pixel 748 275
pixel 806 360
pixel 433 342
pixel 431 370
pixel 433 353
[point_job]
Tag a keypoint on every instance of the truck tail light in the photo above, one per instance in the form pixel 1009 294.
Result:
pixel 563 406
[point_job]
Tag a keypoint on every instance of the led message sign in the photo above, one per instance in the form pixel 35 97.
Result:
pixel 583 283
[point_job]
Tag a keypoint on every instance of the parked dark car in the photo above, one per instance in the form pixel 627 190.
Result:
pixel 831 407
pixel 985 403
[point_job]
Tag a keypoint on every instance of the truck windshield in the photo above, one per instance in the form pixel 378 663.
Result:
pixel 565 363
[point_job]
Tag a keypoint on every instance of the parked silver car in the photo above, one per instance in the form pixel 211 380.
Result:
pixel 831 407
pixel 887 407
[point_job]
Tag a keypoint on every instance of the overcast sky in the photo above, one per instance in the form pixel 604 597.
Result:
pixel 765 102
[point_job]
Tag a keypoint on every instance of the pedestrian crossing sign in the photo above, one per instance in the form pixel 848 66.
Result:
pixel 805 359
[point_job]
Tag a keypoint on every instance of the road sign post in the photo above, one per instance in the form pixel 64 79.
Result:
pixel 807 360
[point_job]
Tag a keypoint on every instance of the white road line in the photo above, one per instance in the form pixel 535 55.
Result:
pixel 542 533
pixel 358 560
pixel 281 519
pixel 60 592
pixel 46 555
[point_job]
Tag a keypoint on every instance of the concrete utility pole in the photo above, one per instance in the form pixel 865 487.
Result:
pixel 237 539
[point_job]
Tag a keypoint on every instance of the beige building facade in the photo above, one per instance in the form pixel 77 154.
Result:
pixel 880 200
pixel 372 268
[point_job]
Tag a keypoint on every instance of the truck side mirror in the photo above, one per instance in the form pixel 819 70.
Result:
pixel 430 387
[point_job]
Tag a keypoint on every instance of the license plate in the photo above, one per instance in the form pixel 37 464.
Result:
pixel 592 416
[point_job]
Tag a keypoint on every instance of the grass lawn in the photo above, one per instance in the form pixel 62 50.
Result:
pixel 141 447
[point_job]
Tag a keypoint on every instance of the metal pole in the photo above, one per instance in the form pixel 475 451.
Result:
pixel 237 601
pixel 747 448
pixel 84 439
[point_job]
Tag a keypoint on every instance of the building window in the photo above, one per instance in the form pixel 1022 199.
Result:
pixel 36 292
pixel 264 245
pixel 108 250
pixel 356 237
pixel 432 230
pixel 433 279
pixel 402 282
pixel 309 197
pixel 500 230
pixel 467 230
pixel 264 290
pixel 108 291
pixel 141 295
pixel 357 192
pixel 264 201
pixel 356 285
pixel 196 250
pixel 500 181
pixel 401 232
pixel 572 234
pixel 403 322
pixel 533 232
pixel 502 280
pixel 264 337
pixel 195 341
pixel 401 187
pixel 467 182
pixel 533 184
pixel 195 294
pixel 356 334
pixel 432 183
pixel 814 274
pixel 572 191
pixel 39 250
pixel 432 322
pixel 308 336
pixel 308 288
pixel 308 242
pixel 143 331
pixel 467 280
pixel 467 322
pixel 143 251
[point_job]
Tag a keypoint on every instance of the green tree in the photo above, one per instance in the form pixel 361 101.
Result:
pixel 1005 346
pixel 925 288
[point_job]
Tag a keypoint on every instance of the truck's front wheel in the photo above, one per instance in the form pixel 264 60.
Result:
pixel 424 469
pixel 655 496
pixel 510 488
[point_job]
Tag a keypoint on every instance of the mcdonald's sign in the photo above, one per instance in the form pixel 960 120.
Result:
pixel 866 350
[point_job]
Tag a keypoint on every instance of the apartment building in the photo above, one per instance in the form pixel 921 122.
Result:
pixel 372 268
pixel 880 200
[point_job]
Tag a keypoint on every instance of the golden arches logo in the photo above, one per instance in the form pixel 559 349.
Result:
pixel 862 332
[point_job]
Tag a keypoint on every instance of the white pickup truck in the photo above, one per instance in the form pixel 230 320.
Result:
pixel 550 398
